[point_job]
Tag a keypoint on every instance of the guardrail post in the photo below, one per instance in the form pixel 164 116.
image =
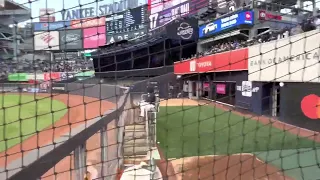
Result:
pixel 104 151
pixel 80 161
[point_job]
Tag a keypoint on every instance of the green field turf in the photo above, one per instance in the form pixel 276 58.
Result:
pixel 18 122
pixel 206 130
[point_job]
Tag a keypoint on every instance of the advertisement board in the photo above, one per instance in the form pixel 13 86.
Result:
pixel 221 89
pixel 103 8
pixel 296 59
pixel 186 29
pixel 70 39
pixel 126 21
pixel 299 105
pixel 94 37
pixel 236 60
pixel 163 12
pixel 17 77
pixel 88 22
pixel 126 35
pixel 46 40
pixel 47 15
pixel 51 26
pixel 231 21
pixel 52 76
pixel 66 55
pixel 273 16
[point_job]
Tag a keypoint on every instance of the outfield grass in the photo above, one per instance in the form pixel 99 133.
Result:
pixel 22 116
pixel 206 130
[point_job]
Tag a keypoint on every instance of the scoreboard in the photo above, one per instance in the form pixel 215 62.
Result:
pixel 129 20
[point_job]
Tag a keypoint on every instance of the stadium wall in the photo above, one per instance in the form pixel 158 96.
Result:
pixel 299 105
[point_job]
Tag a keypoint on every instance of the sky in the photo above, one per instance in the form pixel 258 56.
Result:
pixel 58 5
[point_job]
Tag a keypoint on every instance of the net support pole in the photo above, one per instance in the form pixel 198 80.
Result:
pixel 104 151
pixel 79 161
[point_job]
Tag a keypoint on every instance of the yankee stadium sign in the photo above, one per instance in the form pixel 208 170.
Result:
pixel 92 10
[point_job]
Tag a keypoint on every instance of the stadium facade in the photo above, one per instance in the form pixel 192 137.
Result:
pixel 11 14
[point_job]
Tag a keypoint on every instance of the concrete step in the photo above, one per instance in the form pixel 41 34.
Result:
pixel 134 151
pixel 135 127
pixel 136 143
pixel 134 160
pixel 135 135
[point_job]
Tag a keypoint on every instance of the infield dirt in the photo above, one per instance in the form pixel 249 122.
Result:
pixel 80 110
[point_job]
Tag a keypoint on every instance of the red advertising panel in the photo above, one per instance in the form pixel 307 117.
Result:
pixel 221 89
pixel 52 76
pixel 94 37
pixel 236 60
pixel 88 22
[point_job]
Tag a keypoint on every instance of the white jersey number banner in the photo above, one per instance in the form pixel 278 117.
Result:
pixel 293 59
pixel 46 40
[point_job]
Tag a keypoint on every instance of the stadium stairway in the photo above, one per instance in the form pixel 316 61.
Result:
pixel 137 146
pixel 135 142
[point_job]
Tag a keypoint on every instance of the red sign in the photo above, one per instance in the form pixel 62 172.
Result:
pixel 87 23
pixel 94 37
pixel 263 15
pixel 51 76
pixel 236 60
pixel 47 15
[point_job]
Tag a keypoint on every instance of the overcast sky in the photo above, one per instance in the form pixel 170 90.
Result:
pixel 58 5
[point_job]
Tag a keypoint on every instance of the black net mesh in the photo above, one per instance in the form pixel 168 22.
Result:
pixel 174 89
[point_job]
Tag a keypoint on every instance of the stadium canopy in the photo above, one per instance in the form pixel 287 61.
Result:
pixel 13 13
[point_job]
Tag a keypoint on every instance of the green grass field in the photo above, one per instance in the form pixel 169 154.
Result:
pixel 22 116
pixel 206 130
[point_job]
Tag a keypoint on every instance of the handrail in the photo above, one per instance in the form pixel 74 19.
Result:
pixel 49 160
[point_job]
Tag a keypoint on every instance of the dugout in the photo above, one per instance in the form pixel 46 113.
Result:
pixel 155 55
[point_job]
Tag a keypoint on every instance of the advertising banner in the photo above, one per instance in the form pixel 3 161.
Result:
pixel 44 17
pixel 289 62
pixel 104 8
pixel 66 56
pixel 94 37
pixel 126 35
pixel 129 20
pixel 71 39
pixel 299 105
pixel 236 60
pixel 234 20
pixel 46 40
pixel 88 22
pixel 163 12
pixel 221 89
pixel 52 76
pixel 52 26
pixel 183 30
pixel 272 16
pixel 247 88
pixel 18 77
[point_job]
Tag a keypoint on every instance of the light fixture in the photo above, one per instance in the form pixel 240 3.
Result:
pixel 281 84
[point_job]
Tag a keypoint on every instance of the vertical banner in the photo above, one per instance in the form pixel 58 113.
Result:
pixel 46 40
pixel 94 37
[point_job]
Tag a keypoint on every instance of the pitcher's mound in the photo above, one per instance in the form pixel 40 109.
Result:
pixel 234 167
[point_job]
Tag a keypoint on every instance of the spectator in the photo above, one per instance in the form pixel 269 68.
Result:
pixel 296 30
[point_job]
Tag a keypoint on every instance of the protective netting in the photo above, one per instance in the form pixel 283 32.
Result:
pixel 176 89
